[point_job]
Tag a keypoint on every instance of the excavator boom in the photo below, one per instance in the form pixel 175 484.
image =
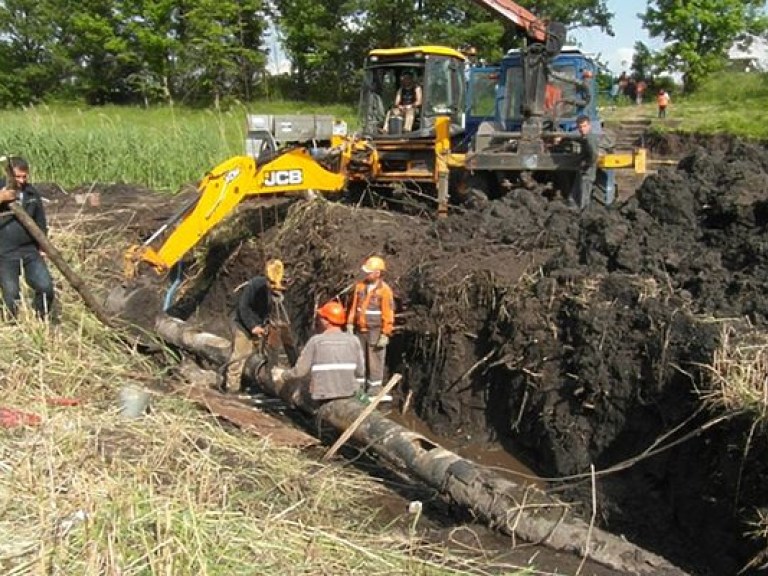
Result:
pixel 222 189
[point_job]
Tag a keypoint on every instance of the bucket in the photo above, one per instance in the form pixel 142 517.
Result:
pixel 134 401
pixel 395 125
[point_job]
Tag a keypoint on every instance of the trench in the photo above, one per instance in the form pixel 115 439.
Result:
pixel 568 340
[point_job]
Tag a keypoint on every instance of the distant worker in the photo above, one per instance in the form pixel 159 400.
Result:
pixel 18 249
pixel 589 142
pixel 662 101
pixel 640 91
pixel 256 306
pixel 372 316
pixel 407 102
pixel 331 365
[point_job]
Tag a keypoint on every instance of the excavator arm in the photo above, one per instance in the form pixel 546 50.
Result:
pixel 221 190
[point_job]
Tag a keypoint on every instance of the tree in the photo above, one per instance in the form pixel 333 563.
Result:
pixel 31 61
pixel 327 41
pixel 698 33
pixel 642 62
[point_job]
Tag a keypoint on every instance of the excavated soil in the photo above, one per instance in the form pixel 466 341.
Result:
pixel 574 340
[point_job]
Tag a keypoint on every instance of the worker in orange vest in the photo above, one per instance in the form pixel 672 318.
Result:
pixel 372 316
pixel 663 100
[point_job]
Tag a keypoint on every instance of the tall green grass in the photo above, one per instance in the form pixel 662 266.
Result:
pixel 160 148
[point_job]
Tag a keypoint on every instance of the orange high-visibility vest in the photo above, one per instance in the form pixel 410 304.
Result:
pixel 373 309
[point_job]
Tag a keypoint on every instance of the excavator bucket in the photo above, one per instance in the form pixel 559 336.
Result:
pixel 136 301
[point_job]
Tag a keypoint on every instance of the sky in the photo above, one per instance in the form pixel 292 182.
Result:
pixel 617 51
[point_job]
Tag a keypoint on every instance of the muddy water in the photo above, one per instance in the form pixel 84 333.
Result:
pixel 492 456
pixel 438 522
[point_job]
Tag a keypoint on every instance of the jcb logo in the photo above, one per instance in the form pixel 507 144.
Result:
pixel 284 177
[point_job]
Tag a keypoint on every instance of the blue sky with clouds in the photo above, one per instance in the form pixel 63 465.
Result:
pixel 617 51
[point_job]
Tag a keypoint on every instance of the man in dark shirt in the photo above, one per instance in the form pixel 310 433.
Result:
pixel 589 142
pixel 18 249
pixel 250 318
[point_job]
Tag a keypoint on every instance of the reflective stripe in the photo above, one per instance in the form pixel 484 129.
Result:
pixel 373 312
pixel 326 367
pixel 374 383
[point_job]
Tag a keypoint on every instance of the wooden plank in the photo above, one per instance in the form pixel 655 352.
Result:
pixel 248 418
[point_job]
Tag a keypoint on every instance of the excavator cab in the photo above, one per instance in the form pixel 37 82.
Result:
pixel 437 72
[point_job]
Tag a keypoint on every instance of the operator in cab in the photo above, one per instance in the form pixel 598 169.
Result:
pixel 407 102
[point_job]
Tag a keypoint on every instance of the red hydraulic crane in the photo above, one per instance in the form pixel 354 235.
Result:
pixel 552 34
pixel 534 28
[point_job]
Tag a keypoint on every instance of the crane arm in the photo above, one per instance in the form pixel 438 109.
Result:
pixel 552 34
pixel 523 19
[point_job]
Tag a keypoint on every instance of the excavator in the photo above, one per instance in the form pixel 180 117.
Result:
pixel 477 132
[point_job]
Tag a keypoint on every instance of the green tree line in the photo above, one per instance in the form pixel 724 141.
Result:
pixel 201 52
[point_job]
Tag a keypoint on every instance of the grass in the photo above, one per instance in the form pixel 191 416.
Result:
pixel 161 148
pixel 729 103
pixel 88 491
pixel 740 374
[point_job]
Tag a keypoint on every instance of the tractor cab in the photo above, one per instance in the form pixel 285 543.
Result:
pixel 567 91
pixel 437 73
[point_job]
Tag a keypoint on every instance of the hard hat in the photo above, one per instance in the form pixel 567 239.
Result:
pixel 373 264
pixel 275 274
pixel 333 312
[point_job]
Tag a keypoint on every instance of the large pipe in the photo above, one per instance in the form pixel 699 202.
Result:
pixel 523 512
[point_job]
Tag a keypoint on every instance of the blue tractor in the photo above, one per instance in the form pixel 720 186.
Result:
pixel 530 141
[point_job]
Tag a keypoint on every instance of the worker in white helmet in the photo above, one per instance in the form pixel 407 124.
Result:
pixel 371 316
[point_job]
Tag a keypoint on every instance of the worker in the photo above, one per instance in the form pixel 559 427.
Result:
pixel 256 306
pixel 18 249
pixel 372 316
pixel 581 192
pixel 662 101
pixel 331 364
pixel 407 102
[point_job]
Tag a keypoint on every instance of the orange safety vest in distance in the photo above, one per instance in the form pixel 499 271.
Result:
pixel 373 309
pixel 663 99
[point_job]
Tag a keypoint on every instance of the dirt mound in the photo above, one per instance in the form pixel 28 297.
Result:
pixel 575 339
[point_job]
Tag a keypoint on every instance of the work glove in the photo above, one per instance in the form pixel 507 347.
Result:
pixel 351 328
pixel 277 375
pixel 382 341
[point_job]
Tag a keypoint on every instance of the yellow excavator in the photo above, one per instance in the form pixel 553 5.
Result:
pixel 477 129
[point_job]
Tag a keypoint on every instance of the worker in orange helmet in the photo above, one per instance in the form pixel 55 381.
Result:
pixel 372 316
pixel 331 364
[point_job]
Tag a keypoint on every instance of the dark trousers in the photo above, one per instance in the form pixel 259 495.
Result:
pixel 375 358
pixel 37 277
pixel 581 192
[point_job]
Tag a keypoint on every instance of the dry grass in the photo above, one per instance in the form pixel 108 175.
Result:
pixel 740 373
pixel 88 491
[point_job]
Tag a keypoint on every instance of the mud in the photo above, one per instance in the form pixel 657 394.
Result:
pixel 573 340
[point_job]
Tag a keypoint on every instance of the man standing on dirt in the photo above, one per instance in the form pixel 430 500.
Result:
pixel 255 307
pixel 331 364
pixel 581 192
pixel 18 249
pixel 372 316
